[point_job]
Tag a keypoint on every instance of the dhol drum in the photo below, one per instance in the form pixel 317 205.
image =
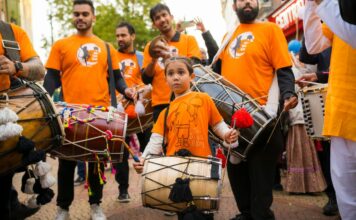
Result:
pixel 140 123
pixel 228 98
pixel 313 101
pixel 38 118
pixel 160 174
pixel 92 133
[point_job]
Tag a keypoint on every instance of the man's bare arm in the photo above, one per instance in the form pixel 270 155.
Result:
pixel 33 69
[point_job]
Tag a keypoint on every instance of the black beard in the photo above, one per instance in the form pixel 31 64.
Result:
pixel 247 17
pixel 124 47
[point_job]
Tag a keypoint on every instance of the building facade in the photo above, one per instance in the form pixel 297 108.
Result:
pixel 18 12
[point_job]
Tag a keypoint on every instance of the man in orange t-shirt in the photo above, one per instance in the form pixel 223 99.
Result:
pixel 256 52
pixel 130 62
pixel 177 44
pixel 28 67
pixel 79 65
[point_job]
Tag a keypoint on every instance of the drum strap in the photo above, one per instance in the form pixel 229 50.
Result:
pixel 111 79
pixel 164 145
pixel 215 168
pixel 224 44
pixel 10 45
pixel 139 57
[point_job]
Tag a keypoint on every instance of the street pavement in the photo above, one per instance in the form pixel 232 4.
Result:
pixel 285 206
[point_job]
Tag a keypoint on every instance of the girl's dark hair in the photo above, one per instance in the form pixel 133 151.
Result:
pixel 185 60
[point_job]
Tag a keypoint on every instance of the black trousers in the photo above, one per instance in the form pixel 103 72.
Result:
pixel 181 216
pixel 156 110
pixel 5 192
pixel 324 158
pixel 122 172
pixel 252 181
pixel 144 138
pixel 65 195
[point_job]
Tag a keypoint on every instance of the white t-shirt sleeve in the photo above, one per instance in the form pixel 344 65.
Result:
pixel 329 12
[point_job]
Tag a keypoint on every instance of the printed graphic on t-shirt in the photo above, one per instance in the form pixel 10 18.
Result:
pixel 88 54
pixel 185 123
pixel 173 52
pixel 127 66
pixel 238 46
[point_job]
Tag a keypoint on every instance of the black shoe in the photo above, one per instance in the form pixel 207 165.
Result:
pixel 242 217
pixel 124 198
pixel 79 181
pixel 22 212
pixel 330 208
pixel 278 187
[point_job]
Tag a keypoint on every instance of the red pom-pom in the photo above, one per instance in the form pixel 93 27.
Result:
pixel 108 134
pixel 221 156
pixel 242 119
pixel 130 111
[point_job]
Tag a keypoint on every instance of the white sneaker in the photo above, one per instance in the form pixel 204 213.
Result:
pixel 62 214
pixel 96 212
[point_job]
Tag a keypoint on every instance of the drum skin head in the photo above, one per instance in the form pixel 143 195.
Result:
pixel 160 174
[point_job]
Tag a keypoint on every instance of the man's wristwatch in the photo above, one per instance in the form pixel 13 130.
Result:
pixel 18 67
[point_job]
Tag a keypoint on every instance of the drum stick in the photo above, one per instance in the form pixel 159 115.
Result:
pixel 135 157
pixel 228 153
pixel 274 128
pixel 310 82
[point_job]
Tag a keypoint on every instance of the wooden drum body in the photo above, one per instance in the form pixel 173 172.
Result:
pixel 38 118
pixel 139 123
pixel 228 99
pixel 92 133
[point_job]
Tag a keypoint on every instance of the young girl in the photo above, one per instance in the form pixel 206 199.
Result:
pixel 188 118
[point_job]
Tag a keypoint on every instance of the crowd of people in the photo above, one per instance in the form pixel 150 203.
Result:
pixel 255 57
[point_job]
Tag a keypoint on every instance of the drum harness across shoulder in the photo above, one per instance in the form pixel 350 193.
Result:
pixel 12 51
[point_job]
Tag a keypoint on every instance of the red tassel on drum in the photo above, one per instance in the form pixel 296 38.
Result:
pixel 241 119
pixel 130 111
pixel 221 156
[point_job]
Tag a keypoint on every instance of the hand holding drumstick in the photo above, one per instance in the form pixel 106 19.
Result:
pixel 138 166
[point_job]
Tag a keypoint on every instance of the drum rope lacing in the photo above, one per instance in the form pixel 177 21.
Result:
pixel 183 172
pixel 204 79
pixel 206 76
pixel 68 112
pixel 144 100
pixel 11 100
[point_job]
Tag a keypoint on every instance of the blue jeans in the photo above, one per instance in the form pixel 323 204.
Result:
pixel 81 169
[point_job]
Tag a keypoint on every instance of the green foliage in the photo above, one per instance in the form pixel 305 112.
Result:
pixel 108 14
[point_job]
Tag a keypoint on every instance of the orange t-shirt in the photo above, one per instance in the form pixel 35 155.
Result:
pixel 83 65
pixel 187 123
pixel 180 44
pixel 130 68
pixel 26 52
pixel 254 53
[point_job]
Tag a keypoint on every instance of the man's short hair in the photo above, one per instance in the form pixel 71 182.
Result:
pixel 157 8
pixel 85 2
pixel 129 27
